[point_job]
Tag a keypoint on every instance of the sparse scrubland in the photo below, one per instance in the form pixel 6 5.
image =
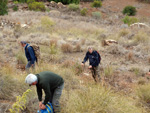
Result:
pixel 63 37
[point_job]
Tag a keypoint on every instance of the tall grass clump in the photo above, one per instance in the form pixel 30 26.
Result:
pixel 53 47
pixel 108 72
pixel 141 37
pixel 97 99
pixel 3 7
pixel 21 59
pixel 47 24
pixel 143 93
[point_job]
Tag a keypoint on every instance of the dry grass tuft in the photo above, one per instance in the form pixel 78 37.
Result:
pixel 78 48
pixel 67 48
pixel 123 32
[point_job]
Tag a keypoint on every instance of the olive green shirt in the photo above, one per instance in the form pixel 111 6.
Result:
pixel 47 81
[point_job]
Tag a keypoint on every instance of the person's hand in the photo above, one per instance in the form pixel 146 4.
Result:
pixel 40 104
pixel 82 64
pixel 90 67
pixel 43 106
pixel 32 65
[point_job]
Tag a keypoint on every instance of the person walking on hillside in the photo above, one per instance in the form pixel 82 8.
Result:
pixel 30 55
pixel 52 84
pixel 94 61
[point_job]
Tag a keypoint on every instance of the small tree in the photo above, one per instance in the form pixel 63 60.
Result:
pixel 3 7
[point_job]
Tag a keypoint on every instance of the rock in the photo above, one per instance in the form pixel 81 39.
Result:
pixel 60 5
pixel 109 42
pixel 124 26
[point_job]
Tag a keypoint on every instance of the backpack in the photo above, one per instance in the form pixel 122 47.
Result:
pixel 49 109
pixel 36 49
pixel 99 57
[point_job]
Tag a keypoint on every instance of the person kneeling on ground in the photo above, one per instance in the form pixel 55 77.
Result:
pixel 51 83
pixel 94 61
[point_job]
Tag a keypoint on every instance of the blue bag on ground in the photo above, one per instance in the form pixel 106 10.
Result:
pixel 49 108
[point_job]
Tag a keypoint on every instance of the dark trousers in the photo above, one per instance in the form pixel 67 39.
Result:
pixel 96 72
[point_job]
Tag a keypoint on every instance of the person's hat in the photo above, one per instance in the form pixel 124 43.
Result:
pixel 30 79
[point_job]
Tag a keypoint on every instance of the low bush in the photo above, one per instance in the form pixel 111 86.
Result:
pixel 3 7
pixel 66 48
pixel 37 6
pixel 129 10
pixel 15 8
pixel 130 20
pixel 96 15
pixel 96 3
pixel 73 7
pixel 84 12
pixel 30 1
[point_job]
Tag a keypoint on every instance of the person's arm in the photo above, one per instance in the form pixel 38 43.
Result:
pixel 39 92
pixel 47 93
pixel 31 52
pixel 85 58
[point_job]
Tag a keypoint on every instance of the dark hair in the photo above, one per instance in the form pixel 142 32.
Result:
pixel 23 42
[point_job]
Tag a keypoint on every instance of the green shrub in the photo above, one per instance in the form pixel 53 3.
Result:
pixel 37 6
pixel 20 103
pixel 84 12
pixel 30 1
pixel 130 20
pixel 73 7
pixel 96 4
pixel 129 10
pixel 15 8
pixel 67 1
pixel 3 7
pixel 96 14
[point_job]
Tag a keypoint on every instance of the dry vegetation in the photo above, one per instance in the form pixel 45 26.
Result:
pixel 63 42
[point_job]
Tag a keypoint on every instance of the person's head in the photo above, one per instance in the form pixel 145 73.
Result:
pixel 23 43
pixel 31 79
pixel 90 49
